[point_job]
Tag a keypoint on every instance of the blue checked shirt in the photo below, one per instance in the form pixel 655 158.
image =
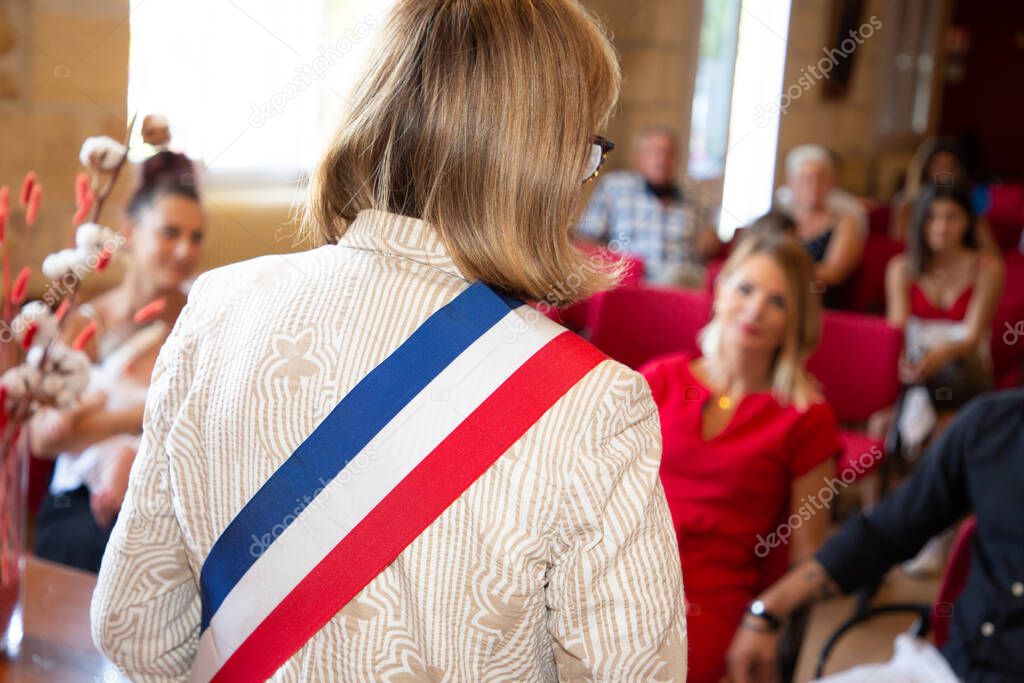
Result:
pixel 624 213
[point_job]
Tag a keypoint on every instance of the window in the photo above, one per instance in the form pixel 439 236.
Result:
pixel 754 116
pixel 734 122
pixel 709 118
pixel 249 87
pixel 910 46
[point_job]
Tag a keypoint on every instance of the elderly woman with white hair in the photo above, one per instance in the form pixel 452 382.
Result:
pixel 829 221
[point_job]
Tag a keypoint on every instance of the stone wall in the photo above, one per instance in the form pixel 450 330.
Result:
pixel 657 41
pixel 852 125
pixel 67 80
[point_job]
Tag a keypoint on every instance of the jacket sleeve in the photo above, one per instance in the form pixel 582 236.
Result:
pixel 615 595
pixel 146 608
pixel 924 505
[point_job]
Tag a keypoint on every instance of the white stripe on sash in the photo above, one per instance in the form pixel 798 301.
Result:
pixel 394 452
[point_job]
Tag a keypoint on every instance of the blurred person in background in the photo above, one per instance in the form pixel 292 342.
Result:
pixel 774 221
pixel 943 292
pixel 938 161
pixel 748 441
pixel 95 443
pixel 829 221
pixel 975 467
pixel 645 213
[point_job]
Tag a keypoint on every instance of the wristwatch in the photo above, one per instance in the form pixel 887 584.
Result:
pixel 758 609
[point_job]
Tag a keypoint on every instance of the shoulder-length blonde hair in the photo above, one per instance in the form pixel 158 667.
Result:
pixel 791 383
pixel 477 117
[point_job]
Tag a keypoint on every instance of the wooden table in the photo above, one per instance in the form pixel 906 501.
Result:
pixel 57 645
pixel 870 642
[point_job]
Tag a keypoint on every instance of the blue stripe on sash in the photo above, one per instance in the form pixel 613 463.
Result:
pixel 360 415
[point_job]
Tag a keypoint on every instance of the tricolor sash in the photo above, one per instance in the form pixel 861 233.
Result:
pixel 395 452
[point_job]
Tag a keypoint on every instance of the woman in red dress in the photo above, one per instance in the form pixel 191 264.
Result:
pixel 748 443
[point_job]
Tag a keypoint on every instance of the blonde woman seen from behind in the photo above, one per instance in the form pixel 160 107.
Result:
pixel 315 418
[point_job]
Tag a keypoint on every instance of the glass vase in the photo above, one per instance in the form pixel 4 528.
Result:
pixel 13 491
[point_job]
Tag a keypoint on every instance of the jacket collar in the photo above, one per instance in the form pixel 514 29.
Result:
pixel 402 237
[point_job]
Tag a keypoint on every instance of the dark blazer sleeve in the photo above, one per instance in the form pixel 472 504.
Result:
pixel 927 503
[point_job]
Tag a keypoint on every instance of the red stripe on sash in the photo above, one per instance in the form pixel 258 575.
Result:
pixel 413 505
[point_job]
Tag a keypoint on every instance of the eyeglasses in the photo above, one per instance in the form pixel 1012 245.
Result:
pixel 598 153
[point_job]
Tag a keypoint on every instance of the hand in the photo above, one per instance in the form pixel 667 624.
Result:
pixel 933 361
pixel 111 487
pixel 133 417
pixel 104 506
pixel 708 243
pixel 51 427
pixel 753 656
pixel 906 371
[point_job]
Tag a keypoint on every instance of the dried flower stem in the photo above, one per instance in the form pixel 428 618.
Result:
pixel 9 459
pixel 101 195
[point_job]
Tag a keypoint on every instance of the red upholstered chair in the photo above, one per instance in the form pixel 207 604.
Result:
pixel 1008 326
pixel 578 316
pixel 879 217
pixel 713 269
pixel 864 292
pixel 953 580
pixel 1007 343
pixel 857 363
pixel 39 473
pixel 1006 214
pixel 635 324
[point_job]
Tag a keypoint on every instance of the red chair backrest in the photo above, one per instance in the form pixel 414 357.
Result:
pixel 39 473
pixel 879 217
pixel 1008 322
pixel 865 290
pixel 1006 214
pixel 635 324
pixel 577 317
pixel 634 271
pixel 574 317
pixel 857 363
pixel 953 580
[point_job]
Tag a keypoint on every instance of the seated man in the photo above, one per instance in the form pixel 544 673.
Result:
pixel 645 213
pixel 976 466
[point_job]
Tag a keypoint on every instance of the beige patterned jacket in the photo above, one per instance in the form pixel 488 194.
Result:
pixel 559 563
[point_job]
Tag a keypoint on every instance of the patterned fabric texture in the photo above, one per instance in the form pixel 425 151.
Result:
pixel 559 563
pixel 624 213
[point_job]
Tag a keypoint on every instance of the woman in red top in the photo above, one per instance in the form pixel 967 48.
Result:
pixel 943 292
pixel 747 443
